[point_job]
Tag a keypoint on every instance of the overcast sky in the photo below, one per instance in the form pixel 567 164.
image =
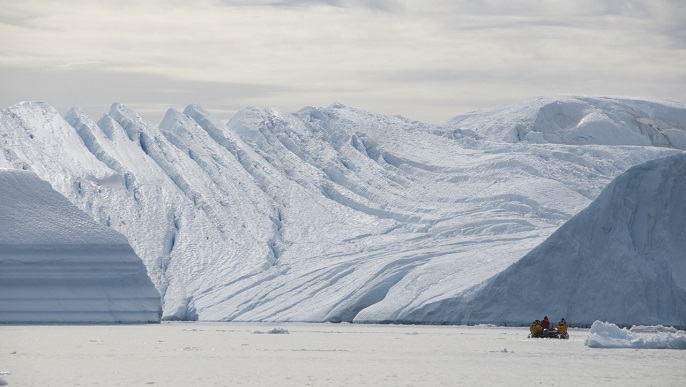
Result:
pixel 427 60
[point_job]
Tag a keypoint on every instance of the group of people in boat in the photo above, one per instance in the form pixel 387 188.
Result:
pixel 541 328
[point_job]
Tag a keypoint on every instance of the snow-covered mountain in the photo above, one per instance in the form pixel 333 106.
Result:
pixel 327 214
pixel 57 265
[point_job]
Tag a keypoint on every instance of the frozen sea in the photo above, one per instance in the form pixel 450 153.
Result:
pixel 250 354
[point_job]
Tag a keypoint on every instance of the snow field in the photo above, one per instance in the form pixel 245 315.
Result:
pixel 228 354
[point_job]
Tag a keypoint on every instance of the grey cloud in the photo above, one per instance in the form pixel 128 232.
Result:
pixel 435 75
pixel 385 5
pixel 94 91
pixel 18 15
pixel 430 56
pixel 16 21
pixel 554 8
pixel 493 75
pixel 642 21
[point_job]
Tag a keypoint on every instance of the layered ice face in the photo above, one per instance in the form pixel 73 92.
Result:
pixel 57 265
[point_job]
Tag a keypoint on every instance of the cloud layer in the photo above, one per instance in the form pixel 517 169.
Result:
pixel 428 60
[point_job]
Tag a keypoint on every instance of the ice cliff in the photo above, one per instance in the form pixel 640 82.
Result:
pixel 57 265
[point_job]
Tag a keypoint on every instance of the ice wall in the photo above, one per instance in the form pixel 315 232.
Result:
pixel 59 266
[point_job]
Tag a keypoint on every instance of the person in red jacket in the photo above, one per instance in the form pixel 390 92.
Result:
pixel 545 324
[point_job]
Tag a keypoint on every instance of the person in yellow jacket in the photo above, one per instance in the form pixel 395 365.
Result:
pixel 535 328
pixel 562 328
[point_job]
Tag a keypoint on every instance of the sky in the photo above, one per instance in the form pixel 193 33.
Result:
pixel 427 60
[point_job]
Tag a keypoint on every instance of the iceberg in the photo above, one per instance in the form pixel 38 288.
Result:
pixel 57 265
pixel 619 259
pixel 608 335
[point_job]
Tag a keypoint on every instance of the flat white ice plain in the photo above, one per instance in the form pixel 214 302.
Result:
pixel 245 354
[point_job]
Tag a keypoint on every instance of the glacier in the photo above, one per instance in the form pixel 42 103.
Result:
pixel 58 266
pixel 338 214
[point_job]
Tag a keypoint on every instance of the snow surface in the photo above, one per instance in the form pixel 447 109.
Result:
pixel 608 335
pixel 58 265
pixel 336 214
pixel 221 354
